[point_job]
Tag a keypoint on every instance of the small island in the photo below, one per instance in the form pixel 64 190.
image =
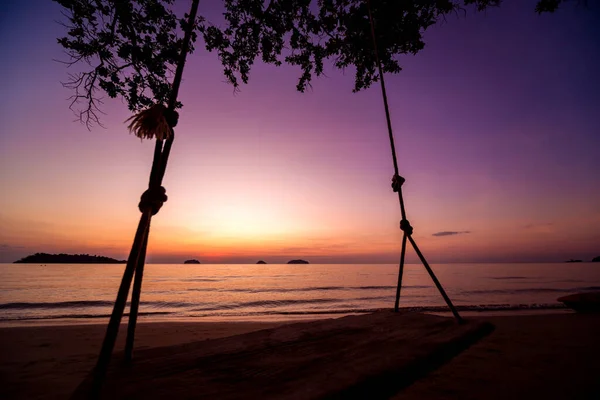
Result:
pixel 45 258
pixel 191 262
pixel 297 262
pixel 596 259
pixel 572 261
pixel 260 262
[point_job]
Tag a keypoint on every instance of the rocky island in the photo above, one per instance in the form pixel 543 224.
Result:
pixel 45 258
pixel 596 259
pixel 191 262
pixel 297 262
pixel 261 262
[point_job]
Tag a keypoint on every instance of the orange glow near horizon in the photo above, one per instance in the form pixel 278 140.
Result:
pixel 500 157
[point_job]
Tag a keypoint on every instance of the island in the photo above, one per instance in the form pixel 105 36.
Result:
pixel 596 259
pixel 45 258
pixel 297 262
pixel 191 262
pixel 260 262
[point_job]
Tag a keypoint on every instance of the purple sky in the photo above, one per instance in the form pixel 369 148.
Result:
pixel 496 123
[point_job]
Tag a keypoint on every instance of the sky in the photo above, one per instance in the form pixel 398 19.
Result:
pixel 496 129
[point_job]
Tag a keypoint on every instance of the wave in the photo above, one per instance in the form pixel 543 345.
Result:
pixel 435 309
pixel 234 311
pixel 424 309
pixel 60 304
pixel 512 277
pixel 77 316
pixel 269 303
pixel 308 289
pixel 281 303
pixel 532 290
pixel 265 303
pixel 86 304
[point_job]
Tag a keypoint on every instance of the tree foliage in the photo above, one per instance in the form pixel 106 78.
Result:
pixel 552 5
pixel 306 32
pixel 131 46
pixel 130 49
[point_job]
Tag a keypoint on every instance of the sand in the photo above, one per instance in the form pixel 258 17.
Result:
pixel 526 357
pixel 360 355
pixel 50 361
pixel 541 356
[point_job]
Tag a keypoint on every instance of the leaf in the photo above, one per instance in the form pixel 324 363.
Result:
pixel 305 33
pixel 128 49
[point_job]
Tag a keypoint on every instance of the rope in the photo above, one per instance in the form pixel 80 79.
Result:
pixel 397 182
pixel 150 203
pixel 159 168
pixel 152 199
pixel 383 91
pixel 396 178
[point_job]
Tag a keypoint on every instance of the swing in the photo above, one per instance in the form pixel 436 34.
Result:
pixel 159 121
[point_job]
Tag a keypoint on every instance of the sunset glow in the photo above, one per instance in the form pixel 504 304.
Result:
pixel 496 126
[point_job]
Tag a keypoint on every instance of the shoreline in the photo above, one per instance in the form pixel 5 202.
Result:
pixel 280 319
pixel 527 354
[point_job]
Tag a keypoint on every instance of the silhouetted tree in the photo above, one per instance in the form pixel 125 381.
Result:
pixel 130 47
pixel 305 33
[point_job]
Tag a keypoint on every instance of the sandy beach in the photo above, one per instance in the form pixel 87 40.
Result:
pixel 50 361
pixel 534 356
pixel 526 357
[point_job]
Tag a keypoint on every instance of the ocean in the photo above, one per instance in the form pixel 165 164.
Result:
pixel 74 294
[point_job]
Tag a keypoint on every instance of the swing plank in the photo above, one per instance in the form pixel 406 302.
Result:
pixel 361 356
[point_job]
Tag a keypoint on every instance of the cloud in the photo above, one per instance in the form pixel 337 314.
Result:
pixel 450 233
pixel 540 228
pixel 539 225
pixel 9 246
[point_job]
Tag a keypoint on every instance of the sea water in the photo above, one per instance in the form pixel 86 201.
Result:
pixel 74 294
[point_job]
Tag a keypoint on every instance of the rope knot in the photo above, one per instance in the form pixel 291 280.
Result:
pixel 153 199
pixel 397 182
pixel 406 227
pixel 172 117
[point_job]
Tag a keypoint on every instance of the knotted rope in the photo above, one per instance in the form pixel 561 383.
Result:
pixel 157 122
pixel 152 199
pixel 406 227
pixel 397 182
